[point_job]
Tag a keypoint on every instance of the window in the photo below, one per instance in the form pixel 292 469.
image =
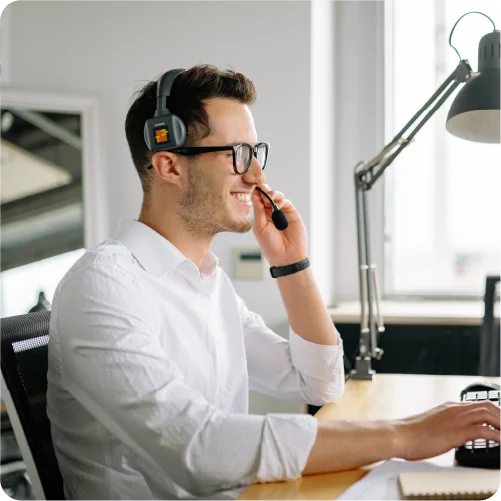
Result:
pixel 21 286
pixel 442 202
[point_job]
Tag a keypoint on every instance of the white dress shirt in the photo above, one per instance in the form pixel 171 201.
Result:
pixel 150 364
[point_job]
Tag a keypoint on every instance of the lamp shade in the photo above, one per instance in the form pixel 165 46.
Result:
pixel 474 114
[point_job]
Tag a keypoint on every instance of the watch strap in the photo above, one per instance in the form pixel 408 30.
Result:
pixel 282 271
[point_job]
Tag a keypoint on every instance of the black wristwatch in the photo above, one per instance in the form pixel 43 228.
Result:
pixel 282 271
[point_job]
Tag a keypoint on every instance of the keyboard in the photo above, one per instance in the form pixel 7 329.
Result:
pixel 479 453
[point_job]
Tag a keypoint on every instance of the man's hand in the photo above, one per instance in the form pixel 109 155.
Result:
pixel 280 248
pixel 345 445
pixel 445 427
pixel 305 307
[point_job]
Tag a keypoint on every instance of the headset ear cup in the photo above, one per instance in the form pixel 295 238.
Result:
pixel 179 131
pixel 164 133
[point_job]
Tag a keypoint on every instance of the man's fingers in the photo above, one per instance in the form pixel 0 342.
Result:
pixel 284 204
pixel 259 213
pixel 277 196
pixel 280 200
pixel 483 414
pixel 478 431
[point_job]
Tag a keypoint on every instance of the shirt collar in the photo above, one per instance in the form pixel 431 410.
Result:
pixel 155 253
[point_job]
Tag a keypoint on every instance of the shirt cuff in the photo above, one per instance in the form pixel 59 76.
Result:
pixel 318 361
pixel 285 447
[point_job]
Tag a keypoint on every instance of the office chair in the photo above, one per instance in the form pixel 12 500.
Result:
pixel 24 364
pixel 489 332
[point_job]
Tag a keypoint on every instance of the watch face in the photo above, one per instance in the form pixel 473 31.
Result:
pixel 161 135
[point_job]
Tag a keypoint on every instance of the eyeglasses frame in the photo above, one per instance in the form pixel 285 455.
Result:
pixel 197 150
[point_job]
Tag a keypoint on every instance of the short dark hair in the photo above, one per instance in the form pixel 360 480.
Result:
pixel 189 91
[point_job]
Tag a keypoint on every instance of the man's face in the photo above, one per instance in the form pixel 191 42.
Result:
pixel 209 205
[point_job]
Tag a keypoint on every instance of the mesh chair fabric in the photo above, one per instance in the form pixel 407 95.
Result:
pixel 24 364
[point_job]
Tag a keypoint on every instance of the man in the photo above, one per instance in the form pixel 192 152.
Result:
pixel 152 352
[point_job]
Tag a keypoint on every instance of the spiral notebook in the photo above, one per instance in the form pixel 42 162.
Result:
pixel 481 484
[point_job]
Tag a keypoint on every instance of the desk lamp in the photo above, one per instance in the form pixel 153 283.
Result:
pixel 474 115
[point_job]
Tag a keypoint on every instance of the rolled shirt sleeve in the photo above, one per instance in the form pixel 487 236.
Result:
pixel 294 369
pixel 321 365
pixel 115 366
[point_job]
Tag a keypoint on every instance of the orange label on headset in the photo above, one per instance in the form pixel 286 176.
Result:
pixel 161 136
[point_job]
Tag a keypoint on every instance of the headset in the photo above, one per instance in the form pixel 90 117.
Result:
pixel 166 131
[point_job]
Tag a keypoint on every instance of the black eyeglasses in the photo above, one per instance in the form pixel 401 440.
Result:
pixel 242 154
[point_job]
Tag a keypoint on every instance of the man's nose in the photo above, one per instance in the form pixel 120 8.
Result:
pixel 255 173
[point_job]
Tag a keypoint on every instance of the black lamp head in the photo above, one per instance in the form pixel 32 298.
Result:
pixel 474 114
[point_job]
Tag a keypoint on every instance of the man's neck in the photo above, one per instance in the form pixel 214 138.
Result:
pixel 194 248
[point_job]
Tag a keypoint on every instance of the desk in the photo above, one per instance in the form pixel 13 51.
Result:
pixel 388 396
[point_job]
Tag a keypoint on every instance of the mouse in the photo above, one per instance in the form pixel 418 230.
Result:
pixel 480 386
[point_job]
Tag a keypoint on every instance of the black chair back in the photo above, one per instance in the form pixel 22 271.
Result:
pixel 24 365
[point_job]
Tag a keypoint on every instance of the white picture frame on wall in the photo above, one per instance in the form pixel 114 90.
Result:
pixel 95 205
pixel 5 21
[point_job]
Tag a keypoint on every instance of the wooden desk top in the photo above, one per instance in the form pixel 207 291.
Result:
pixel 388 396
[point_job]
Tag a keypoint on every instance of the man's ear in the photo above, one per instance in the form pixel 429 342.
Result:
pixel 169 167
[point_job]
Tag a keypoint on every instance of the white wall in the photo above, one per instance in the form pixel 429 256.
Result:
pixel 112 47
pixel 359 40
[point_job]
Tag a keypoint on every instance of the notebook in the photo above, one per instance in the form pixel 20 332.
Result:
pixel 481 484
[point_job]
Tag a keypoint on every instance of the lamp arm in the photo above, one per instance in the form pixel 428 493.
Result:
pixel 365 175
pixel 376 166
pixel 374 162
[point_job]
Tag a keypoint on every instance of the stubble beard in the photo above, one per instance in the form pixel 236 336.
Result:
pixel 203 208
